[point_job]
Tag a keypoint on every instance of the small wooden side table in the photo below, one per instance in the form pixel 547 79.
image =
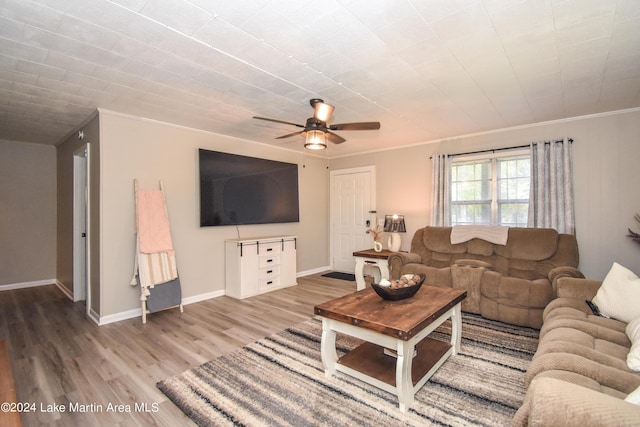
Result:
pixel 372 258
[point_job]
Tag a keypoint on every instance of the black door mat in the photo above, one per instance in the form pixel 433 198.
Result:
pixel 342 276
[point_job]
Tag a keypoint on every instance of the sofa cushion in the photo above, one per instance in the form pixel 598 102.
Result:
pixel 624 381
pixel 562 308
pixel 516 292
pixel 619 294
pixel 581 380
pixel 438 239
pixel 589 328
pixel 633 332
pixel 532 244
pixel 480 247
pixel 567 340
pixel 553 402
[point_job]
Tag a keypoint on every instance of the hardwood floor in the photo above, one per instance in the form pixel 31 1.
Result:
pixel 62 360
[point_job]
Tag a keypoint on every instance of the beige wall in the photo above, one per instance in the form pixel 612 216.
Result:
pixel 607 179
pixel 27 213
pixel 151 151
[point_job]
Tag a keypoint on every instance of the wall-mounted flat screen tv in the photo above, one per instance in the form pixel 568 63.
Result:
pixel 238 190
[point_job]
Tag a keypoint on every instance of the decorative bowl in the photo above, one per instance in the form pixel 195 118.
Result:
pixel 396 294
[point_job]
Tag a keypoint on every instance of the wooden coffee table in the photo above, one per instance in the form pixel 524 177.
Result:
pixel 397 355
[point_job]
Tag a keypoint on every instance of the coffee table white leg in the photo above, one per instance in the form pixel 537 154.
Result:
pixel 404 383
pixel 456 328
pixel 328 348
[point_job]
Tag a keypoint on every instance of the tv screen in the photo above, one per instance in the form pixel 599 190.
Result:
pixel 238 190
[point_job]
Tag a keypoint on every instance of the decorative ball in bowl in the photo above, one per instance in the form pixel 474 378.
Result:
pixel 394 290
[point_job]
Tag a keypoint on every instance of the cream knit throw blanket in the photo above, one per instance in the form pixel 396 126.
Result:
pixel 497 234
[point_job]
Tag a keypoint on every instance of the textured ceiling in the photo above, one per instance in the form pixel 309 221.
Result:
pixel 426 69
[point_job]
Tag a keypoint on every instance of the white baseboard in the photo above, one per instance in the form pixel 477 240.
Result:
pixel 137 312
pixel 64 289
pixel 94 316
pixel 314 271
pixel 203 297
pixel 23 285
pixel 118 317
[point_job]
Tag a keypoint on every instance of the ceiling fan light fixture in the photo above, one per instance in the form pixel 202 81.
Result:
pixel 315 140
pixel 316 131
pixel 323 111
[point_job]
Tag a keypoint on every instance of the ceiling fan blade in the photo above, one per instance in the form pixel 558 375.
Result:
pixel 278 121
pixel 289 135
pixel 336 139
pixel 356 126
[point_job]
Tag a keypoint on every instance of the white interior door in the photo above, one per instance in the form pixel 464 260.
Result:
pixel 352 204
pixel 80 224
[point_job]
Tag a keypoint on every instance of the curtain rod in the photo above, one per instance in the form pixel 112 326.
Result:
pixel 493 150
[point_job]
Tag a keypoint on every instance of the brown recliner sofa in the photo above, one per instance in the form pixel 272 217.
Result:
pixel 579 375
pixel 512 283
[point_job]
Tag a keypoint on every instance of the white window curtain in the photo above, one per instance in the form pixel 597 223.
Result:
pixel 551 199
pixel 440 197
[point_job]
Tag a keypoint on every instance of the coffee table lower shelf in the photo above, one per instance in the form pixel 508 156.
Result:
pixel 370 359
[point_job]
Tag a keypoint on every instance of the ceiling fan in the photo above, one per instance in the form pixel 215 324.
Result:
pixel 316 130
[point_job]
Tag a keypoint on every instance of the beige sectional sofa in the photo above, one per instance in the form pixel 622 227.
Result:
pixel 579 374
pixel 512 283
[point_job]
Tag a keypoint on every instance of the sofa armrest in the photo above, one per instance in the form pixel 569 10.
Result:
pixel 582 289
pixel 553 402
pixel 405 258
pixel 565 271
pixel 398 259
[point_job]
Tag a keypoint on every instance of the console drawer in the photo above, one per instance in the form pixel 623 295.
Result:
pixel 269 272
pixel 271 248
pixel 267 261
pixel 266 283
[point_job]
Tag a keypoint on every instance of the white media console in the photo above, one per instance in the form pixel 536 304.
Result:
pixel 258 265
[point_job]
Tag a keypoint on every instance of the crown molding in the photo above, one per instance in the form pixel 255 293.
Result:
pixel 500 130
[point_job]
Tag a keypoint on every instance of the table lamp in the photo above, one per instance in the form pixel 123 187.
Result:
pixel 394 224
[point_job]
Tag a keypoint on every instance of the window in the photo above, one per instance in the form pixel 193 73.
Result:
pixel 491 190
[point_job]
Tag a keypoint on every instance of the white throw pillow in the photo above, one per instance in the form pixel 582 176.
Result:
pixel 619 294
pixel 634 397
pixel 633 332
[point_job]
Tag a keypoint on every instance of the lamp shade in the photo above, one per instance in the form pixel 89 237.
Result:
pixel 323 111
pixel 394 224
pixel 315 140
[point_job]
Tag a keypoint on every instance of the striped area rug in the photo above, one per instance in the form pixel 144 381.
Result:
pixel 279 381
